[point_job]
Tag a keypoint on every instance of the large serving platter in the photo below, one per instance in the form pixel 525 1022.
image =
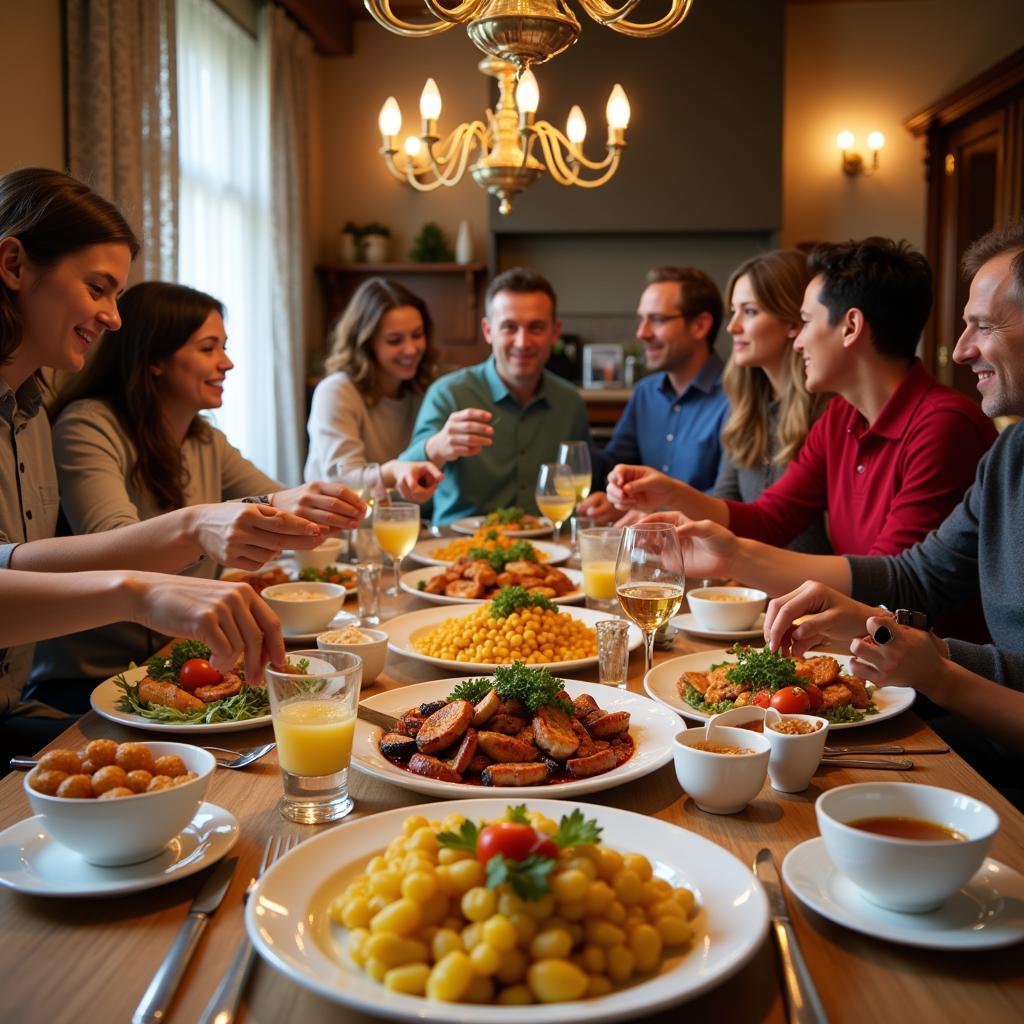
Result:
pixel 288 921
pixel 405 630
pixel 470 525
pixel 660 683
pixel 424 551
pixel 651 726
pixel 411 584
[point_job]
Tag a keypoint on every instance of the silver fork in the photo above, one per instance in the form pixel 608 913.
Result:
pixel 223 1006
pixel 240 758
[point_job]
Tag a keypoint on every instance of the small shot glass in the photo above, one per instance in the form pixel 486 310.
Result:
pixel 368 577
pixel 613 652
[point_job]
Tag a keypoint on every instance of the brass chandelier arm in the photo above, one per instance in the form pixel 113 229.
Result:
pixel 560 143
pixel 613 18
pixel 455 150
pixel 466 11
pixel 407 177
pixel 566 175
pixel 382 13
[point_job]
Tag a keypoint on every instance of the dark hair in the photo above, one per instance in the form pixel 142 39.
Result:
pixel 889 282
pixel 52 215
pixel 1006 239
pixel 352 337
pixel 522 281
pixel 697 294
pixel 157 318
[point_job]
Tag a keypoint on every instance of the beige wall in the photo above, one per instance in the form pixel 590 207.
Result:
pixel 866 66
pixel 31 82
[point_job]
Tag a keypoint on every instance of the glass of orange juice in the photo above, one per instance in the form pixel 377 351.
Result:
pixel 598 548
pixel 396 528
pixel 313 701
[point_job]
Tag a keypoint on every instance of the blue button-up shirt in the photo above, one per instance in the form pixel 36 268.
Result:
pixel 505 472
pixel 675 433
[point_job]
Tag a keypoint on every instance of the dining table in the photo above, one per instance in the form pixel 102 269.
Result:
pixel 91 959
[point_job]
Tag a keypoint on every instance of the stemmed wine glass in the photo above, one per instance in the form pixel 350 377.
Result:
pixel 396 526
pixel 555 495
pixel 576 455
pixel 649 579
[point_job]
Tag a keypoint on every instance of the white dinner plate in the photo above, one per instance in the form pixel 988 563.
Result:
pixel 424 551
pixel 660 683
pixel 652 728
pixel 104 702
pixel 288 922
pixel 411 580
pixel 688 623
pixel 986 913
pixel 405 630
pixel 470 524
pixel 31 861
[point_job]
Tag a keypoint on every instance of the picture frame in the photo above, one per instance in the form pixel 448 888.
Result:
pixel 602 366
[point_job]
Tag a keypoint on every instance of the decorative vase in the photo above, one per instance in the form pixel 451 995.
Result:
pixel 464 244
pixel 348 247
pixel 376 248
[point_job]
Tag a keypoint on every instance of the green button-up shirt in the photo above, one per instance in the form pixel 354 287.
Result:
pixel 505 473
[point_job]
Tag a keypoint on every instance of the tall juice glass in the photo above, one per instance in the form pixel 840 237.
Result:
pixel 599 547
pixel 555 494
pixel 313 710
pixel 396 526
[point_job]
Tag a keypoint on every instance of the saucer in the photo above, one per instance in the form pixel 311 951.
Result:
pixel 688 622
pixel 32 862
pixel 986 913
pixel 340 621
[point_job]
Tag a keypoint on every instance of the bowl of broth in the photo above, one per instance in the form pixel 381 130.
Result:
pixel 906 847
pixel 726 608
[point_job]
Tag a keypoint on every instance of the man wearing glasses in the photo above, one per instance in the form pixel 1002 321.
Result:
pixel 675 415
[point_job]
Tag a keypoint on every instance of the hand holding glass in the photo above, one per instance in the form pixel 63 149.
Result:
pixel 397 528
pixel 556 494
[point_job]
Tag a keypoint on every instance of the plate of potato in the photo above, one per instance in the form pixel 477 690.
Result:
pixel 474 582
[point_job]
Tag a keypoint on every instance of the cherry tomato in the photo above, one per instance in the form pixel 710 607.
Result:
pixel 512 840
pixel 814 696
pixel 762 698
pixel 198 672
pixel 791 700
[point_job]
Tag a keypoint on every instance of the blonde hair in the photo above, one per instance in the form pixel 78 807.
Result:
pixel 353 334
pixel 778 280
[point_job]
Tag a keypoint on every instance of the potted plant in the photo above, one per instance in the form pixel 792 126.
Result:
pixel 348 243
pixel 376 243
pixel 431 246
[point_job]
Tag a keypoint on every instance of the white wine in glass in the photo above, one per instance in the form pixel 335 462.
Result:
pixel 576 455
pixel 555 496
pixel 649 580
pixel 396 527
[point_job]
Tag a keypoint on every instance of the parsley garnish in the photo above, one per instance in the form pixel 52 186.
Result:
pixel 519 551
pixel 473 690
pixel 465 839
pixel 762 670
pixel 535 687
pixel 511 599
pixel 575 830
pixel 504 516
pixel 517 814
pixel 422 585
pixel 166 670
pixel 528 878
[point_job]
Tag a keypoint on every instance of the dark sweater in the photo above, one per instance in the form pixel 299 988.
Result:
pixel 980 543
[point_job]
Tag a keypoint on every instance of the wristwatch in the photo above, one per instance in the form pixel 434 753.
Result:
pixel 257 499
pixel 907 617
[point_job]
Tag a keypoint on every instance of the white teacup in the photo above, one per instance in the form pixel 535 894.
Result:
pixel 721 783
pixel 795 756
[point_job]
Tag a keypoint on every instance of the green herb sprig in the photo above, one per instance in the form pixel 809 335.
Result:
pixel 167 669
pixel 504 516
pixel 519 551
pixel 512 599
pixel 762 669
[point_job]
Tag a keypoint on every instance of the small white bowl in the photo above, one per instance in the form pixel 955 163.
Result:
pixel 795 756
pixel 321 556
pixel 374 653
pixel 131 828
pixel 726 616
pixel 305 616
pixel 908 875
pixel 721 783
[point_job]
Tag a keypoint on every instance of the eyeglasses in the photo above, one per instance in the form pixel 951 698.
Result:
pixel 657 320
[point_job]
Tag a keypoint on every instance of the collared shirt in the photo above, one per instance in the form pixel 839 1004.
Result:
pixel 29 502
pixel 886 484
pixel 505 472
pixel 675 433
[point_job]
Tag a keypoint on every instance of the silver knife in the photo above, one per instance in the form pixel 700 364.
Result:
pixel 802 1000
pixel 857 751
pixel 157 1000
pixel 378 718
pixel 864 762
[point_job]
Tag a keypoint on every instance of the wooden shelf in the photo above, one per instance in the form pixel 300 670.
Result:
pixel 384 269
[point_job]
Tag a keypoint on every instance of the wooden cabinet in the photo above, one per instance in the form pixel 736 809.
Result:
pixel 453 293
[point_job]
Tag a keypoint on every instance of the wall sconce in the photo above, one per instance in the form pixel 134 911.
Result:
pixel 853 163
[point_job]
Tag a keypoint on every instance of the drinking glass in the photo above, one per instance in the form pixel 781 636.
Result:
pixel 576 455
pixel 314 718
pixel 598 550
pixel 649 579
pixel 396 525
pixel 371 486
pixel 556 494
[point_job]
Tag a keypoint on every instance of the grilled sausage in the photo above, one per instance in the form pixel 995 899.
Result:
pixel 460 761
pixel 168 695
pixel 444 727
pixel 499 747
pixel 432 768
pixel 510 725
pixel 227 687
pixel 553 732
pixel 429 708
pixel 396 746
pixel 533 774
pixel 486 709
pixel 608 725
pixel 594 764
pixel 479 763
pixel 584 705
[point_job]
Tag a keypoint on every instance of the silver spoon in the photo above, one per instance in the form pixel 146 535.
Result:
pixel 240 758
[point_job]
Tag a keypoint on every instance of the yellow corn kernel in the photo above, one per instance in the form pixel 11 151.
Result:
pixel 387 884
pixel 603 933
pixel 356 913
pixel 357 946
pixel 394 950
pixel 646 943
pixel 410 979
pixel 598 985
pixel 556 980
pixel 593 959
pixel 465 874
pixel 401 917
pixel 515 995
pixel 621 964
pixel 513 967
pixel 639 865
pixel 684 898
pixel 450 978
pixel 570 885
pixel 499 932
pixel 598 897
pixel 674 930
pixel 628 887
pixel 552 942
pixel 479 903
pixel 419 886
pixel 445 941
pixel 485 959
pixel 481 990
pixel 412 823
pixel 375 969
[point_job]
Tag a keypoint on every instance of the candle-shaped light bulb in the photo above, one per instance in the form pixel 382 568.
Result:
pixel 844 140
pixel 876 140
pixel 576 126
pixel 413 147
pixel 390 118
pixel 617 109
pixel 430 101
pixel 528 93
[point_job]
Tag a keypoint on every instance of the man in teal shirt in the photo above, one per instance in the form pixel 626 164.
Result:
pixel 489 427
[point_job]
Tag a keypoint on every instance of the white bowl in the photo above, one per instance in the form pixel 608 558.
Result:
pixel 795 756
pixel 909 875
pixel 306 616
pixel 374 653
pixel 321 556
pixel 721 783
pixel 726 615
pixel 132 828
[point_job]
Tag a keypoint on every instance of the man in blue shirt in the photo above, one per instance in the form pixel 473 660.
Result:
pixel 675 415
pixel 490 426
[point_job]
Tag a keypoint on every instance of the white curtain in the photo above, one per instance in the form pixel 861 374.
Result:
pixel 122 129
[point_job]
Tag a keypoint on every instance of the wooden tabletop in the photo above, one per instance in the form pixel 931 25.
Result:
pixel 91 960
